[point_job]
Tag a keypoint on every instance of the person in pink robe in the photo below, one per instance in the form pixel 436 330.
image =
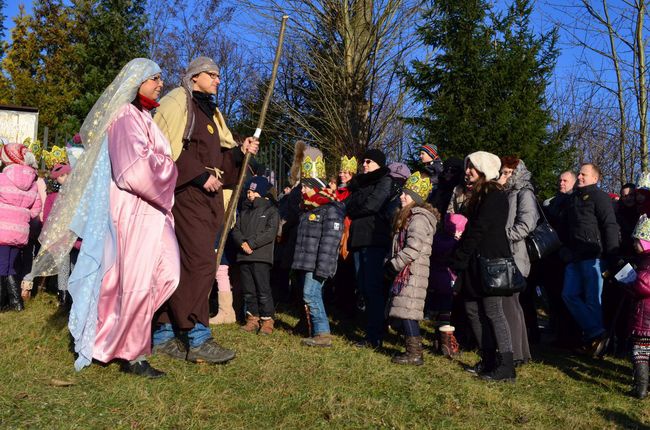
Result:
pixel 146 269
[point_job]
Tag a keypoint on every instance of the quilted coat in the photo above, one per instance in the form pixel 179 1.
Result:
pixel 19 203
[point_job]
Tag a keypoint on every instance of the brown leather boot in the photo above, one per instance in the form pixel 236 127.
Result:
pixel 413 354
pixel 266 327
pixel 252 324
pixel 448 343
pixel 321 340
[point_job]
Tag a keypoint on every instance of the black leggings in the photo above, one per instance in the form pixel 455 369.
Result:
pixel 489 324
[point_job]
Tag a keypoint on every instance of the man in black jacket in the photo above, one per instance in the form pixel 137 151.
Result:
pixel 592 234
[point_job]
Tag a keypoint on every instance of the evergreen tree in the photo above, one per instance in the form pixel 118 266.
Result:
pixel 485 89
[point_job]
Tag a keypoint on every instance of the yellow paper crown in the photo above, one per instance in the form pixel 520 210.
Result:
pixel 643 181
pixel 56 155
pixel 419 185
pixel 349 164
pixel 313 168
pixel 642 229
pixel 35 147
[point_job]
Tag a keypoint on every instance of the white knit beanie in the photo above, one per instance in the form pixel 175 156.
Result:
pixel 485 162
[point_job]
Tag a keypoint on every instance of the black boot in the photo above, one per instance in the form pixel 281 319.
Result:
pixel 487 363
pixel 65 301
pixel 640 388
pixel 142 368
pixel 413 354
pixel 505 370
pixel 13 292
pixel 3 293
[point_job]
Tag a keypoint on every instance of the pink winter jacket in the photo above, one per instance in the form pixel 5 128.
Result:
pixel 19 203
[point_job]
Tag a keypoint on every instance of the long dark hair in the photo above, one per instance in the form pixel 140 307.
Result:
pixel 480 189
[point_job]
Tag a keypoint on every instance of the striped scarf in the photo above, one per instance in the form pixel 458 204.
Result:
pixel 318 197
pixel 402 278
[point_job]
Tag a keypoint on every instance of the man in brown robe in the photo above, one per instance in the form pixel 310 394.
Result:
pixel 207 159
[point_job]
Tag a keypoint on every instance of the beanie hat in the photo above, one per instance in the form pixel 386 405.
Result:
pixel 418 187
pixel 198 65
pixel 17 153
pixel 455 223
pixel 260 185
pixel 431 151
pixel 375 155
pixel 60 170
pixel 399 171
pixel 486 163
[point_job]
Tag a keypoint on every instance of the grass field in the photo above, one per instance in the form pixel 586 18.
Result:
pixel 276 383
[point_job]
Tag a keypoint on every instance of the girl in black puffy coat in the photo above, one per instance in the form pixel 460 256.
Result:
pixel 316 253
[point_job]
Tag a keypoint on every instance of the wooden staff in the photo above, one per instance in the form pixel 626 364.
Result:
pixel 232 204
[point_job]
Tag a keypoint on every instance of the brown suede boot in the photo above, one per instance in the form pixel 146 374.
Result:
pixel 321 340
pixel 413 354
pixel 448 344
pixel 252 324
pixel 266 327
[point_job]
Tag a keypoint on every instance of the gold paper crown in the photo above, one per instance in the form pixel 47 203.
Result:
pixel 643 181
pixel 35 147
pixel 349 164
pixel 313 168
pixel 642 229
pixel 419 185
pixel 56 155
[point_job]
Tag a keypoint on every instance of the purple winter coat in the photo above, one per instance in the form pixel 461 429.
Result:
pixel 640 315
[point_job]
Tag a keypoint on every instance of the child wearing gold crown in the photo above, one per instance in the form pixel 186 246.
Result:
pixel 413 230
pixel 640 315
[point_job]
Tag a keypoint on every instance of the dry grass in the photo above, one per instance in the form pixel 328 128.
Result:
pixel 276 383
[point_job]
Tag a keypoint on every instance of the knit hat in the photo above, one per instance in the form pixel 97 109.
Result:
pixel 486 163
pixel 17 153
pixel 260 185
pixel 375 155
pixel 418 187
pixel 198 65
pixel 399 171
pixel 643 181
pixel 455 223
pixel 431 151
pixel 60 170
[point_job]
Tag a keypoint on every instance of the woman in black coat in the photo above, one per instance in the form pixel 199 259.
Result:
pixel 485 236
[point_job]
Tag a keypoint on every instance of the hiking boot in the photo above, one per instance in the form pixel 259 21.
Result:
pixel 448 343
pixel 13 293
pixel 266 328
pixel 413 354
pixel 142 368
pixel 640 388
pixel 252 324
pixel 210 352
pixel 173 348
pixel 598 346
pixel 322 340
pixel 505 370
pixel 486 364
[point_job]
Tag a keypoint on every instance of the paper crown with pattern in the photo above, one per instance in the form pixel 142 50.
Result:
pixel 349 164
pixel 642 229
pixel 313 168
pixel 643 181
pixel 56 155
pixel 419 185
pixel 35 147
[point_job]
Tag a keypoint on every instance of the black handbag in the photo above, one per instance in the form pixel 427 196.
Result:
pixel 542 241
pixel 500 276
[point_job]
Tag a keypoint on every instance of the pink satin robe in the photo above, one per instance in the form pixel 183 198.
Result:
pixel 147 264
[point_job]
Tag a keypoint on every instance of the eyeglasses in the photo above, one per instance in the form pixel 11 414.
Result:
pixel 156 79
pixel 366 161
pixel 212 75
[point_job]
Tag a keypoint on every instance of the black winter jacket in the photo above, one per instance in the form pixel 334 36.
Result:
pixel 318 240
pixel 256 224
pixel 485 235
pixel 367 208
pixel 592 225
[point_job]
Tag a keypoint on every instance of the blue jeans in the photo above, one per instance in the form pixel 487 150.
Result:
pixel 583 288
pixel 369 265
pixel 196 337
pixel 313 296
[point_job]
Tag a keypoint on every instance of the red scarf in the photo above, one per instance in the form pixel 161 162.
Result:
pixel 318 198
pixel 147 103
